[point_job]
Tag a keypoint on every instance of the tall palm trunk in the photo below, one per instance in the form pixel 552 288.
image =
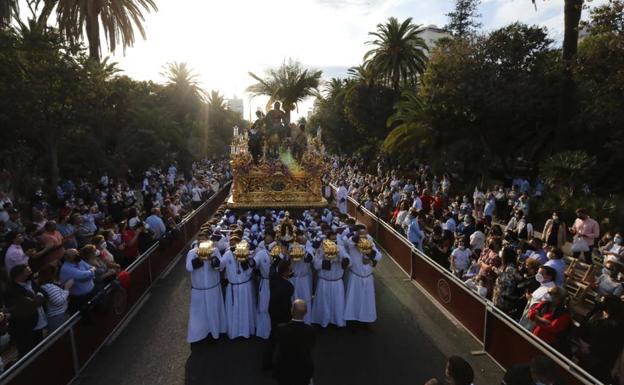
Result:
pixel 567 99
pixel 93 35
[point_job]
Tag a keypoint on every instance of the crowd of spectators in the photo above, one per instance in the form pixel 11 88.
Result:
pixel 81 237
pixel 486 238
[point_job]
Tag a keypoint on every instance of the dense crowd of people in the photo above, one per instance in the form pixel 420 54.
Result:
pixel 81 238
pixel 487 240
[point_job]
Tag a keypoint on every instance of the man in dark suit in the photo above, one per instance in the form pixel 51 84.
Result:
pixel 295 340
pixel 279 305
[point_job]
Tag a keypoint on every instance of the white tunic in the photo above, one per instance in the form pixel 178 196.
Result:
pixel 240 299
pixel 360 294
pixel 329 297
pixel 207 312
pixel 302 282
pixel 263 320
pixel 341 194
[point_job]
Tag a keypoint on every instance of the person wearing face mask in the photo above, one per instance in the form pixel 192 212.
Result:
pixel 460 258
pixel 608 283
pixel 551 317
pixel 24 303
pixel 585 230
pixel 103 274
pixel 546 276
pixel 554 233
pixel 613 250
pixel 555 260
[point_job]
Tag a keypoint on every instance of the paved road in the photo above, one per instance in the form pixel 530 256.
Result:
pixel 407 344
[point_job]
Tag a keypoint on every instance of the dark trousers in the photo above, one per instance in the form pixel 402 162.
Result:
pixel 587 255
pixel 26 339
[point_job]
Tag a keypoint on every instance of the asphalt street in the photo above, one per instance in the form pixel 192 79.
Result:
pixel 407 345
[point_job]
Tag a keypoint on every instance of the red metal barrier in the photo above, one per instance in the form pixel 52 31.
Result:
pixel 464 306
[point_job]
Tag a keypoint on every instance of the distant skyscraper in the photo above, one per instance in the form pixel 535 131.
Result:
pixel 431 34
pixel 235 104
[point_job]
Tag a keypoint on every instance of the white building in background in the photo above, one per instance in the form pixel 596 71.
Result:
pixel 431 34
pixel 235 104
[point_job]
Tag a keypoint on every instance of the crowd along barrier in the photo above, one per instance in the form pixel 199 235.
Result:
pixel 62 355
pixel 501 337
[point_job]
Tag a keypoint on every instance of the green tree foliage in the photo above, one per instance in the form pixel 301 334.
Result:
pixel 398 55
pixel 410 131
pixel 462 20
pixel 116 19
pixel 290 84
pixel 367 108
pixel 491 100
pixel 63 114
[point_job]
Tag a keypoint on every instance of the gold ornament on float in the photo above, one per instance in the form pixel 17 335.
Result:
pixel 205 250
pixel 330 249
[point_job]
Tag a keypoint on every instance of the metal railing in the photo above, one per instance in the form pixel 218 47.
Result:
pixel 63 354
pixel 501 337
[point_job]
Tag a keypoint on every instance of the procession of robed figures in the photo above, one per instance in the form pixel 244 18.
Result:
pixel 329 260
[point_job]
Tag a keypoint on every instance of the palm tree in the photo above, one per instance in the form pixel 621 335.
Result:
pixel 183 80
pixel 409 129
pixel 117 19
pixel 289 84
pixel 215 100
pixel 363 74
pixel 398 56
pixel 8 8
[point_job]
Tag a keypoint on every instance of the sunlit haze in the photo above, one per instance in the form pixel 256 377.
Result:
pixel 224 40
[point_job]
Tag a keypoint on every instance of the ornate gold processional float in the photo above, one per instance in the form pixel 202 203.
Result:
pixel 281 180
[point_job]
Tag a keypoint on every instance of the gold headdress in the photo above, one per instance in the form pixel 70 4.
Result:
pixel 330 249
pixel 205 250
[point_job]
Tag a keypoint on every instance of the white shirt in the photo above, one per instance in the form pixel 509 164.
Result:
pixel 461 258
pixel 539 293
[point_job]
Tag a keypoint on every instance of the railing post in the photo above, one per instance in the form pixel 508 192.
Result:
pixel 72 339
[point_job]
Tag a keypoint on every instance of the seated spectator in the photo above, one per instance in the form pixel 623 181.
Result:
pixel 551 317
pixel 24 303
pixel 609 282
pixel 614 249
pixel 82 274
pixel 555 260
pixel 156 224
pixel 56 296
pixel 546 276
pixel 506 282
pixel 537 251
pixel 526 286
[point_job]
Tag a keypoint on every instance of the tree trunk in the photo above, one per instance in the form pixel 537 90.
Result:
pixel 54 169
pixel 93 36
pixel 48 7
pixel 567 99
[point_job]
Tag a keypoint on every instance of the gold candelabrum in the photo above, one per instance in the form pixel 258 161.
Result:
pixel 330 249
pixel 272 183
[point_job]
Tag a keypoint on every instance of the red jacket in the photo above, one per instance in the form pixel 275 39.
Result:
pixel 558 325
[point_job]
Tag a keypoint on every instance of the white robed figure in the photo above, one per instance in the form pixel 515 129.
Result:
pixel 341 198
pixel 329 298
pixel 302 277
pixel 207 312
pixel 263 264
pixel 240 299
pixel 360 293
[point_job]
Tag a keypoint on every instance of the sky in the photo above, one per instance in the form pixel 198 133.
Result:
pixel 222 40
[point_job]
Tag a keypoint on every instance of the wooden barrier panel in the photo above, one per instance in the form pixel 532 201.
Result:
pixel 464 306
pixel 398 250
pixel 53 366
pixel 508 346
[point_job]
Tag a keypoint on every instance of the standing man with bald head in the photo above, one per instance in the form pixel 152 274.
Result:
pixel 295 340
